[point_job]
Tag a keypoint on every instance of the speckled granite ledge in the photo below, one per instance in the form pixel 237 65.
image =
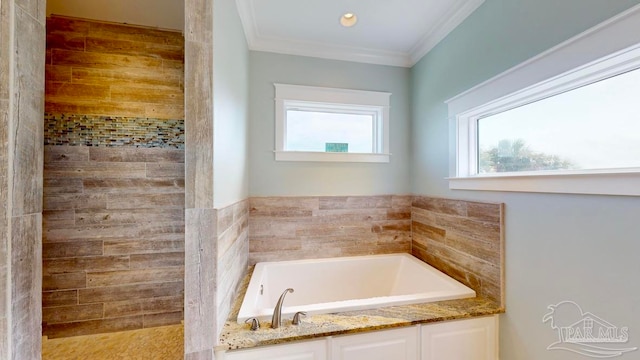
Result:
pixel 236 336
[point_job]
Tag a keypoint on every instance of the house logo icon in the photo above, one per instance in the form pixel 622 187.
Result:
pixel 585 333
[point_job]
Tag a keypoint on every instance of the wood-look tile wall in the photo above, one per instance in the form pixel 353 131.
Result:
pixel 113 239
pixel 463 239
pixel 289 228
pixel 97 68
pixel 233 256
pixel 22 49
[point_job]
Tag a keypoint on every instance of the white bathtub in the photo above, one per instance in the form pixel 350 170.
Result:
pixel 324 286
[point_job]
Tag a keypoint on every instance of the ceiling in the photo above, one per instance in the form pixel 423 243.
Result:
pixel 388 32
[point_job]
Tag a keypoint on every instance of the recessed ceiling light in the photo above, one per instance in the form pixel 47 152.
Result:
pixel 348 19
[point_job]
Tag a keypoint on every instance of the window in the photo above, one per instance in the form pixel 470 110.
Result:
pixel 326 124
pixel 596 126
pixel 566 121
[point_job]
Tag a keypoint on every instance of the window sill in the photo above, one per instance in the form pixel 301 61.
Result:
pixel 331 157
pixel 623 183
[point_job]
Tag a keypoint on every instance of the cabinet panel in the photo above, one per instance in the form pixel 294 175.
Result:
pixel 400 344
pixel 310 350
pixel 472 339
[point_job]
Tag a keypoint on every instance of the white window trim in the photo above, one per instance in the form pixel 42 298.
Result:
pixel 608 49
pixel 351 100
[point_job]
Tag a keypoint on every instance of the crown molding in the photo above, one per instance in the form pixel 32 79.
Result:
pixel 450 21
pixel 258 42
pixel 332 52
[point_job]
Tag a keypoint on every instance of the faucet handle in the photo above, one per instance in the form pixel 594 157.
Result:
pixel 296 317
pixel 255 323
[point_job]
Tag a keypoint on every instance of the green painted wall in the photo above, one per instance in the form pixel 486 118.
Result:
pixel 285 178
pixel 558 247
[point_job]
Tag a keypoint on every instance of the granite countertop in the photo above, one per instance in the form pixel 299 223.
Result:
pixel 238 336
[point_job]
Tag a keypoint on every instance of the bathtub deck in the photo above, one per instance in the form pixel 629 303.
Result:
pixel 158 343
pixel 238 336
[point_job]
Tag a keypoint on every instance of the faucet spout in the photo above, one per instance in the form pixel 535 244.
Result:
pixel 276 320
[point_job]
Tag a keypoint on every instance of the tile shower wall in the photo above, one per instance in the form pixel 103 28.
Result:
pixel 94 130
pixel 22 46
pixel 463 239
pixel 96 68
pixel 113 240
pixel 289 228
pixel 114 183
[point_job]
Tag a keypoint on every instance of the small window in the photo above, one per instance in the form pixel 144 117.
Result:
pixel 326 124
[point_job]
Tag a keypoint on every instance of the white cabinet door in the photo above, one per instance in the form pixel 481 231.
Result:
pixel 310 350
pixel 399 344
pixel 471 339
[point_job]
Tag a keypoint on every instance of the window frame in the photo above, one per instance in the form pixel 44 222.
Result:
pixel 333 100
pixel 595 55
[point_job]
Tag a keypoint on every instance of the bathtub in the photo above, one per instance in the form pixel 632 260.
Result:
pixel 324 286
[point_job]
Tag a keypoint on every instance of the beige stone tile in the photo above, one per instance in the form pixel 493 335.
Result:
pixel 133 186
pixel 199 21
pixel 26 280
pixel 128 216
pixel 156 260
pixel 158 305
pixel 27 175
pixel 65 314
pixel 150 247
pixel 141 201
pixel 89 263
pixel 198 91
pixel 94 170
pixel 115 232
pixel 355 202
pixel 165 170
pixel 136 154
pixel 162 319
pixel 66 153
pixel 52 250
pixel 126 277
pixel 443 206
pixel 56 219
pixel 64 281
pixel 145 344
pixel 59 298
pixel 428 231
pixel 74 201
pixel 53 331
pixel 130 292
pixel 484 211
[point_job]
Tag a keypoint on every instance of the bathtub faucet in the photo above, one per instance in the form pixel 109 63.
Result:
pixel 276 320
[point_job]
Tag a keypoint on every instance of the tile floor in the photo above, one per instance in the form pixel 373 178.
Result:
pixel 159 343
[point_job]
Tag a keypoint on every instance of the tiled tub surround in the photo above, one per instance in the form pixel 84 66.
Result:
pixel 233 255
pixel 113 239
pixel 97 68
pixel 293 228
pixel 463 239
pixel 94 130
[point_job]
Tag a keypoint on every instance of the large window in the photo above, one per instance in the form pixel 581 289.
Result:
pixel 326 124
pixel 596 126
pixel 567 120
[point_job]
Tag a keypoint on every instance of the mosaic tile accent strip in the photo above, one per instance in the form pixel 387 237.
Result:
pixel 90 130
